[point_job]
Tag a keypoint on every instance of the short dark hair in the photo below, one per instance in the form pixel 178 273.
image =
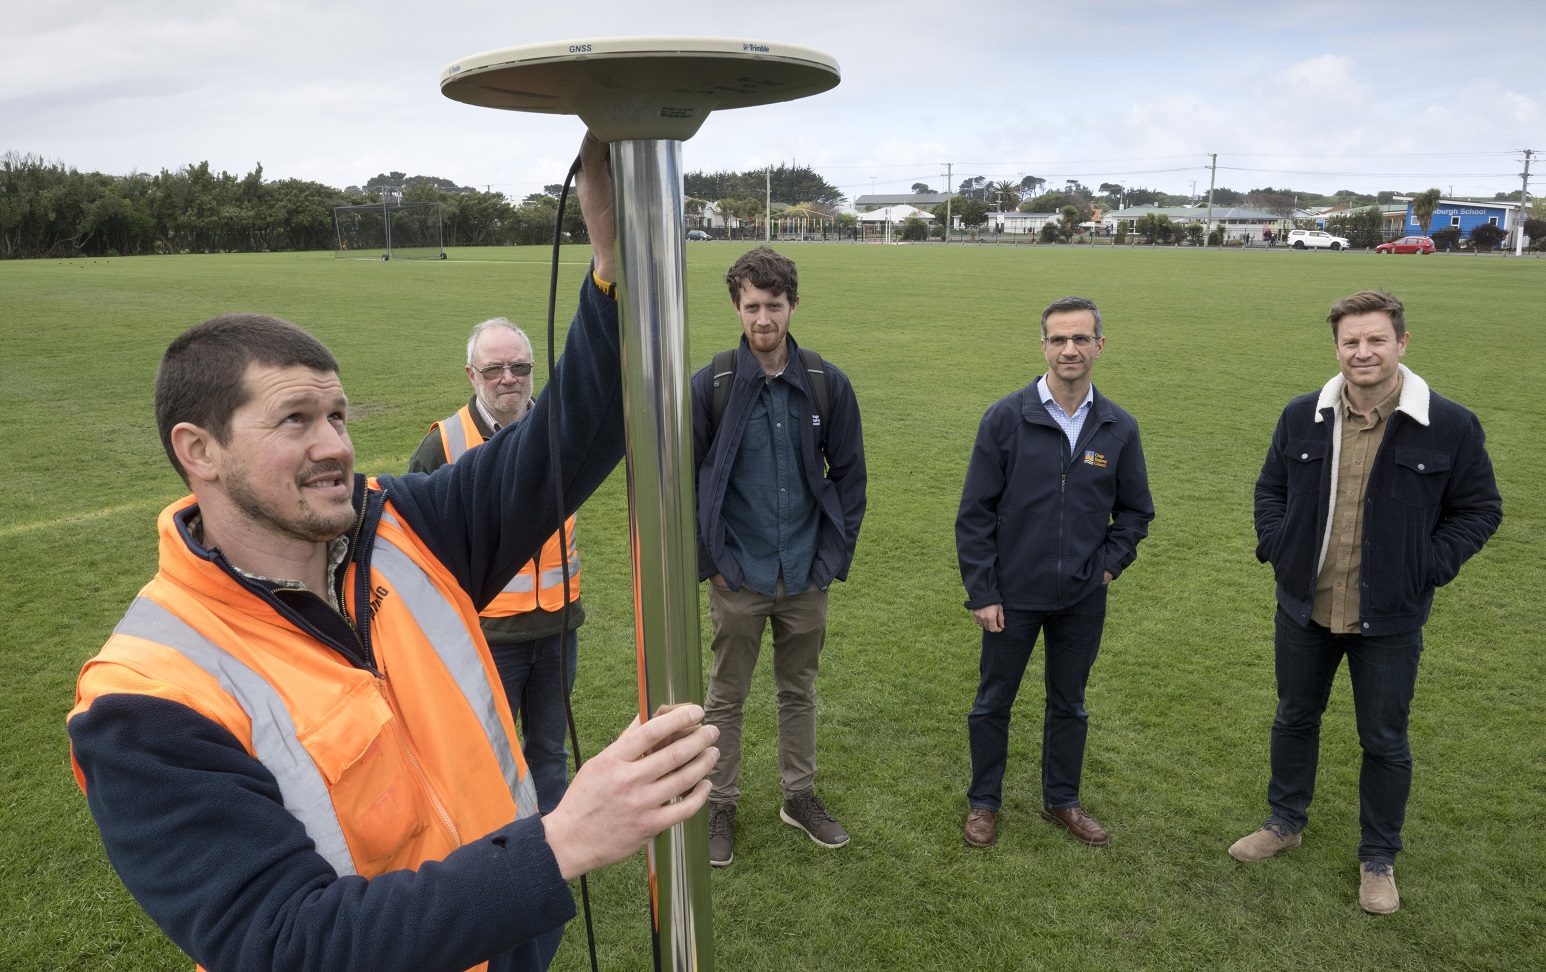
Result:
pixel 1064 304
pixel 766 269
pixel 1368 302
pixel 202 378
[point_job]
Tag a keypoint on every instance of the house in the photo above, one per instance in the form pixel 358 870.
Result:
pixel 921 200
pixel 1237 222
pixel 1017 223
pixel 891 217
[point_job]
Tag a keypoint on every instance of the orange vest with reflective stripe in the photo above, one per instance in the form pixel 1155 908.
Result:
pixel 385 772
pixel 541 582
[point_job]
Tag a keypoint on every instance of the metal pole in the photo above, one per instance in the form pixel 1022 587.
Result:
pixel 1213 173
pixel 647 184
pixel 1524 201
pixel 949 195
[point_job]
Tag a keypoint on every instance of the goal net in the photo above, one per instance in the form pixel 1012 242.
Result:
pixel 389 231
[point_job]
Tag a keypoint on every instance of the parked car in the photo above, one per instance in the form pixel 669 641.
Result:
pixel 698 235
pixel 1407 244
pixel 1315 240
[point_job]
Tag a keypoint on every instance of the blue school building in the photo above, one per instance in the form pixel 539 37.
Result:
pixel 1463 214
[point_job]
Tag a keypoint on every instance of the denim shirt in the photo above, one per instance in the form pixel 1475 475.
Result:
pixel 770 516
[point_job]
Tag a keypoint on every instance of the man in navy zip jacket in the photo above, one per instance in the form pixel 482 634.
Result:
pixel 1055 502
pixel 1374 491
pixel 258 858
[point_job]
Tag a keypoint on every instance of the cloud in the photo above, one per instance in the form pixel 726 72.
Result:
pixel 341 90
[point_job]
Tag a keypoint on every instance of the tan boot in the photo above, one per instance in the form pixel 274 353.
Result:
pixel 1377 888
pixel 1273 837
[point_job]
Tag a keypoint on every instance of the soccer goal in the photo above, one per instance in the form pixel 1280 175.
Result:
pixel 389 231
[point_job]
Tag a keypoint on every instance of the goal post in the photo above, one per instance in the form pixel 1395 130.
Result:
pixel 389 231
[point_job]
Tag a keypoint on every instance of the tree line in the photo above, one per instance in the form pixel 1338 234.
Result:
pixel 790 185
pixel 48 209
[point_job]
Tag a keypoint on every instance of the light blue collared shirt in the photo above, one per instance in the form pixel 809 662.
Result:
pixel 1071 426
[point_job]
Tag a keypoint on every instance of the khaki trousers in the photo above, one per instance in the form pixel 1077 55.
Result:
pixel 799 632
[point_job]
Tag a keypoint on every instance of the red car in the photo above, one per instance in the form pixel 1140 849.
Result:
pixel 1407 244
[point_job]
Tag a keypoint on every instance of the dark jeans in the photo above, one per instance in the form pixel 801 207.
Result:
pixel 1073 640
pixel 1383 670
pixel 529 671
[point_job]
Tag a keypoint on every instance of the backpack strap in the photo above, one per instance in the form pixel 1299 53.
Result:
pixel 723 372
pixel 816 376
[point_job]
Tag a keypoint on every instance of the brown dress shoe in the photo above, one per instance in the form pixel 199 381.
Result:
pixel 1080 825
pixel 981 828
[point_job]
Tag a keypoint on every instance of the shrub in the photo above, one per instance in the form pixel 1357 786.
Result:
pixel 1487 236
pixel 1447 238
pixel 1194 233
pixel 1535 229
pixel 1050 233
pixel 914 230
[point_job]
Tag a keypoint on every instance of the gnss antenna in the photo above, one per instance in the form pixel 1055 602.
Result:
pixel 646 95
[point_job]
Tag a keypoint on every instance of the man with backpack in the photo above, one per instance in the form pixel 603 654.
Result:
pixel 779 457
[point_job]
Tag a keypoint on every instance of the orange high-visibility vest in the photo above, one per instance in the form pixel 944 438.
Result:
pixel 541 582
pixel 385 772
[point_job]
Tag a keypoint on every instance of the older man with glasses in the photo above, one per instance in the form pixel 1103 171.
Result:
pixel 1055 501
pixel 524 624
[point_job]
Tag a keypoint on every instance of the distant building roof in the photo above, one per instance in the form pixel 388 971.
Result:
pixel 1193 213
pixel 919 199
pixel 893 214
pixel 1493 203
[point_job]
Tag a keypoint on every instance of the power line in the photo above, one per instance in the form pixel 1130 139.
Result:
pixel 1376 175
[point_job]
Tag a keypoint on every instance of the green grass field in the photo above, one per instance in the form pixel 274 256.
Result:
pixel 1203 347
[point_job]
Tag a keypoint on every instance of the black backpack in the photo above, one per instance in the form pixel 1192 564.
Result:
pixel 723 373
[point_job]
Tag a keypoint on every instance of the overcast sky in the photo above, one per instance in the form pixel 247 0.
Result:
pixel 1316 96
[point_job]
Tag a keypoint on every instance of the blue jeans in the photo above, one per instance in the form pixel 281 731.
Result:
pixel 1383 670
pixel 529 671
pixel 1072 642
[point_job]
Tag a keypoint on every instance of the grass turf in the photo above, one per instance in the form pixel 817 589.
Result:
pixel 1204 348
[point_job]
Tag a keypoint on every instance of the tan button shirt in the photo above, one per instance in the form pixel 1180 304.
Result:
pixel 1336 590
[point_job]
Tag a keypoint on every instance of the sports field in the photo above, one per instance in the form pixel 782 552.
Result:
pixel 1204 348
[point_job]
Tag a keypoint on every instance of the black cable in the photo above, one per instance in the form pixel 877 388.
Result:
pixel 563 532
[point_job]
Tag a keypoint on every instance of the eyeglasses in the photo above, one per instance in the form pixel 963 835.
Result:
pixel 1079 340
pixel 494 372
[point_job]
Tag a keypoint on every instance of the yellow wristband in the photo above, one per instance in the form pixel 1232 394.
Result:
pixel 610 289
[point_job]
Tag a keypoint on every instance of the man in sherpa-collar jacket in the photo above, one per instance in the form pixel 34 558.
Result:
pixel 1374 492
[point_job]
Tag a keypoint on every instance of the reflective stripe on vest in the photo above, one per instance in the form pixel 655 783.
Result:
pixel 274 737
pixel 460 656
pixel 273 732
pixel 459 433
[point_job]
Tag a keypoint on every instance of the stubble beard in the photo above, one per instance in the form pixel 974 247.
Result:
pixel 308 523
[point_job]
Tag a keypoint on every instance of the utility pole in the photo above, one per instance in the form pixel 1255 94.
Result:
pixel 949 195
pixel 1212 175
pixel 767 234
pixel 1524 201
